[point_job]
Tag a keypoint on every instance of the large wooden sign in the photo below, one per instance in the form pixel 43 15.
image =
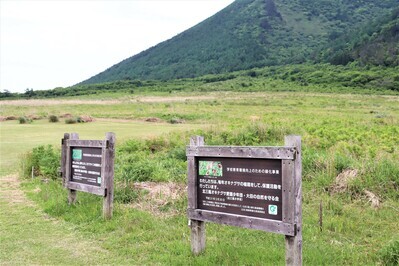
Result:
pixel 250 187
pixel 88 166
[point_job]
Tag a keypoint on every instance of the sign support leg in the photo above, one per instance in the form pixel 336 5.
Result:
pixel 71 192
pixel 197 227
pixel 71 196
pixel 109 175
pixel 293 244
pixel 198 237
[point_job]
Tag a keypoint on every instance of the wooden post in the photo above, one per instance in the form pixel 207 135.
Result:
pixel 293 244
pixel 197 227
pixel 108 183
pixel 64 158
pixel 71 192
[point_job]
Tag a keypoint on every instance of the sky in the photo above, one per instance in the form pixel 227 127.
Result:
pixel 46 44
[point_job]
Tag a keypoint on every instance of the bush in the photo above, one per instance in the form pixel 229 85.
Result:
pixel 176 120
pixel 78 119
pixel 24 120
pixel 53 119
pixel 44 160
pixel 71 121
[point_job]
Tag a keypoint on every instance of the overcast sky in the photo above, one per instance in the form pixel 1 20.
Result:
pixel 58 43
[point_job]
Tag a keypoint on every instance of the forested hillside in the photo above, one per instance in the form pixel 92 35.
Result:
pixel 256 33
pixel 376 43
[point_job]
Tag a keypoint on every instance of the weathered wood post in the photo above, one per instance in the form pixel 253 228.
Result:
pixel 71 192
pixel 64 158
pixel 108 171
pixel 197 227
pixel 293 244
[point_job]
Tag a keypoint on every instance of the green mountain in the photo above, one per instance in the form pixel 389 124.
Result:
pixel 256 33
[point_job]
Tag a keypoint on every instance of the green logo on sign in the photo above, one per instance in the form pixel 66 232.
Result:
pixel 76 154
pixel 273 209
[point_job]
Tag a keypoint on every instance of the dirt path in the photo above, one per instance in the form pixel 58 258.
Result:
pixel 28 236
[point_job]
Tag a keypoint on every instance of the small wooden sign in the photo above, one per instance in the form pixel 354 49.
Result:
pixel 88 166
pixel 250 187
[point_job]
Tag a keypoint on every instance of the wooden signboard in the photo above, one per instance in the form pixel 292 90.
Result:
pixel 88 166
pixel 250 187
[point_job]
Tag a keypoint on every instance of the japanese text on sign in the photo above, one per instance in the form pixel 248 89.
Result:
pixel 86 165
pixel 250 187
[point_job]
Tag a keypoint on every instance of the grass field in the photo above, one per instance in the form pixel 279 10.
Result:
pixel 340 132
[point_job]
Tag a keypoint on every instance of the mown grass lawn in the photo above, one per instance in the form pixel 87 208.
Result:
pixel 16 139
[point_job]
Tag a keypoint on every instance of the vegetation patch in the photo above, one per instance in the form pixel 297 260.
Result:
pixel 159 198
pixel 24 120
pixel 374 200
pixel 343 180
pixel 390 253
pixel 79 119
pixel 53 119
pixel 153 120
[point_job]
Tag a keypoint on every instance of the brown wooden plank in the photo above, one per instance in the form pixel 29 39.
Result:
pixel 108 171
pixel 87 143
pixel 243 221
pixel 64 148
pixel 86 188
pixel 71 192
pixel 198 236
pixel 288 190
pixel 192 183
pixel 293 244
pixel 284 153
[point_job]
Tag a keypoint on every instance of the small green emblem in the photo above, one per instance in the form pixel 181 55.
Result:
pixel 273 209
pixel 77 154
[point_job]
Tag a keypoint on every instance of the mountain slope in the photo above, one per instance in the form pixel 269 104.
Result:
pixel 382 46
pixel 247 34
pixel 376 43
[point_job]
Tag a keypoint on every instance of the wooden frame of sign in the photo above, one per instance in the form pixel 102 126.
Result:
pixel 88 166
pixel 251 187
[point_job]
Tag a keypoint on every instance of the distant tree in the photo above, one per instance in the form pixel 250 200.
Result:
pixel 5 94
pixel 29 93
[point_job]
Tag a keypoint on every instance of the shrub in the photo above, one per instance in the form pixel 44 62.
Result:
pixel 176 120
pixel 71 121
pixel 44 160
pixel 53 119
pixel 24 120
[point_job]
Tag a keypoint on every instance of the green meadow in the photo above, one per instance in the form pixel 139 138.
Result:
pixel 350 167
